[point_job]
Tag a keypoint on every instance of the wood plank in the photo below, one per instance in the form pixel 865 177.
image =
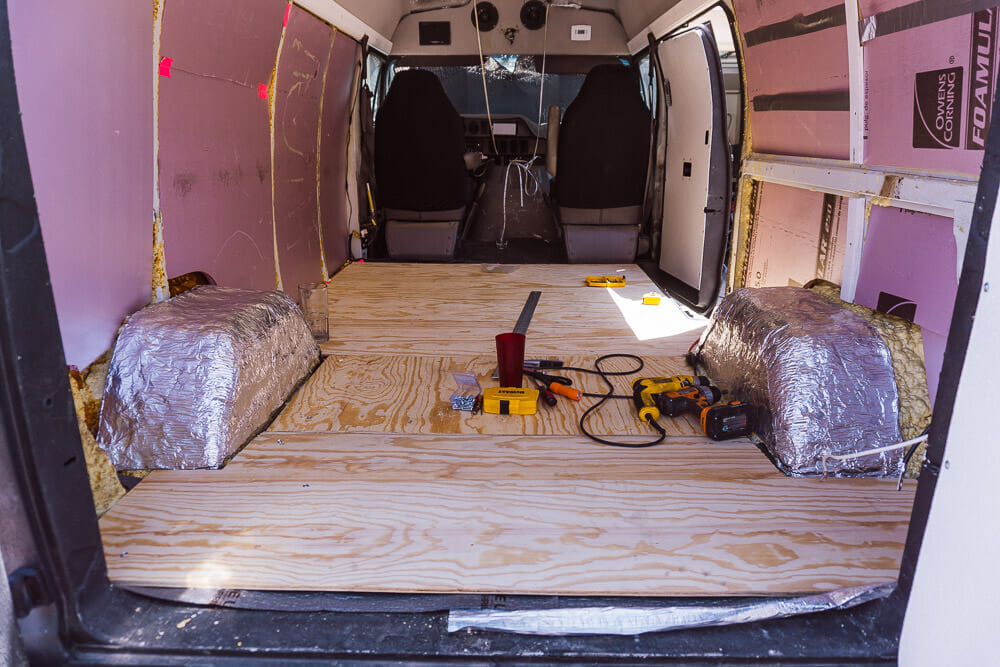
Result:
pixel 428 308
pixel 402 458
pixel 408 276
pixel 411 394
pixel 322 523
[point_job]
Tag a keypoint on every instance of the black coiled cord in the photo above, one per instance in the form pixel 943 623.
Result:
pixel 604 375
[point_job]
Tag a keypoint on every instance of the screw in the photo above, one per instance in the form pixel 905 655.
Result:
pixel 947 465
pixel 986 287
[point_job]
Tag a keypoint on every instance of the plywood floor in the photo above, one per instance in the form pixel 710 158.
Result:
pixel 368 481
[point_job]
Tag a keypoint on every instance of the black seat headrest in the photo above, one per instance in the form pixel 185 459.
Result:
pixel 419 146
pixel 604 142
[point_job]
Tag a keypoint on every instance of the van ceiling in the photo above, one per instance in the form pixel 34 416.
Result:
pixel 385 16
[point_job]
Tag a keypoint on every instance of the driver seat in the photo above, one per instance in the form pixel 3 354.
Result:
pixel 420 168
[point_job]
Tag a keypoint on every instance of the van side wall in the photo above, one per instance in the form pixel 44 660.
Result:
pixel 88 123
pixel 230 205
pixel 840 182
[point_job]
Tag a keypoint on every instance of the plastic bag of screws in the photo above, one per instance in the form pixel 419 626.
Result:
pixel 468 395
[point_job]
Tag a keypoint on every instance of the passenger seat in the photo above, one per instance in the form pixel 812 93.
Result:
pixel 420 168
pixel 603 153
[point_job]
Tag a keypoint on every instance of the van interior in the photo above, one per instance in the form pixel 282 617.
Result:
pixel 441 172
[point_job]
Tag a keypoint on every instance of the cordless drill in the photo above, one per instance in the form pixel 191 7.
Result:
pixel 645 391
pixel 675 396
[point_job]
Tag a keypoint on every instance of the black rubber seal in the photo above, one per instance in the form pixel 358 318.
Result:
pixel 833 101
pixel 797 25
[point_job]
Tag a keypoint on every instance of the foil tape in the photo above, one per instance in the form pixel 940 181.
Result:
pixel 193 378
pixel 821 378
pixel 637 620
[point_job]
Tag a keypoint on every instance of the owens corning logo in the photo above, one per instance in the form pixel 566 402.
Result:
pixel 981 70
pixel 937 108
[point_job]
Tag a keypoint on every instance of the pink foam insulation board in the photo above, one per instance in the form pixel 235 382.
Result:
pixel 215 155
pixel 83 85
pixel 333 149
pixel 797 77
pixel 298 90
pixel 795 236
pixel 929 93
pixel 909 268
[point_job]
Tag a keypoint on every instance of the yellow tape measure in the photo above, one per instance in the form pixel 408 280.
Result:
pixel 605 281
pixel 510 401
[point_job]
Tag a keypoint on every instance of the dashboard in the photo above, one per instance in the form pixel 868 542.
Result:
pixel 514 136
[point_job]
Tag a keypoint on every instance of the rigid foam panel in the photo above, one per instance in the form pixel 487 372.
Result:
pixel 794 236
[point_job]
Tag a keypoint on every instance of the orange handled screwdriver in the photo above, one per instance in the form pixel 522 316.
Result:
pixel 556 384
pixel 568 392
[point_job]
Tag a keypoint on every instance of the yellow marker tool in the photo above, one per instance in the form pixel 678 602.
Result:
pixel 371 205
pixel 510 401
pixel 605 281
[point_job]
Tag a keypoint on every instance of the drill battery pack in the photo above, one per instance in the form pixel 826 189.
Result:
pixel 510 401
pixel 732 420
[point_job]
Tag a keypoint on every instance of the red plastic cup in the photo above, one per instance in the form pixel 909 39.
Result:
pixel 510 358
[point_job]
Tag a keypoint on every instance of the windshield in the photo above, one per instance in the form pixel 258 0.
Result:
pixel 513 83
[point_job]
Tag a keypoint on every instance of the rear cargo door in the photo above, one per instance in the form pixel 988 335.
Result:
pixel 696 188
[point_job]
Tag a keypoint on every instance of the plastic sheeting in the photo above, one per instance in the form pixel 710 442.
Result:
pixel 195 377
pixel 820 375
pixel 637 620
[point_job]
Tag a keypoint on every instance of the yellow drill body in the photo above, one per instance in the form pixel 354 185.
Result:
pixel 645 390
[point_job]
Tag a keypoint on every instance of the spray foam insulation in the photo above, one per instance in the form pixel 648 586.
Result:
pixel 104 484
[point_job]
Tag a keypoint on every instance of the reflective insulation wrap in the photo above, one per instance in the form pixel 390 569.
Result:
pixel 637 620
pixel 194 377
pixel 820 375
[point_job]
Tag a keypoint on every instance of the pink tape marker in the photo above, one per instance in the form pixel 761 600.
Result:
pixel 288 11
pixel 262 91
pixel 165 64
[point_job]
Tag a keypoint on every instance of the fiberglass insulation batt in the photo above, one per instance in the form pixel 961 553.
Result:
pixel 821 376
pixel 194 377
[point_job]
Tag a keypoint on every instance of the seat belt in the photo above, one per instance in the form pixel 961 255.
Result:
pixel 651 157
